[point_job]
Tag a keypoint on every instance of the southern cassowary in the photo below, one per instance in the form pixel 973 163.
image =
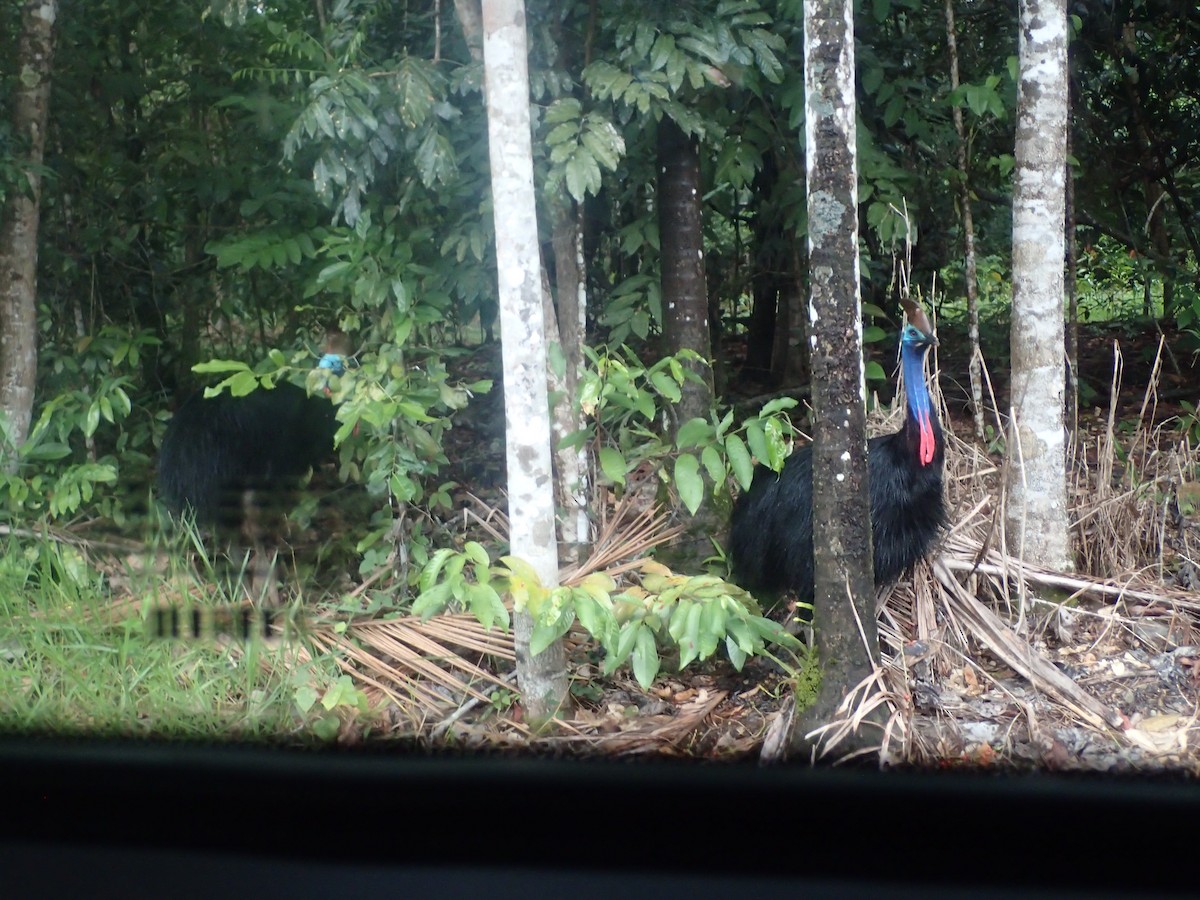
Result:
pixel 771 539
pixel 218 450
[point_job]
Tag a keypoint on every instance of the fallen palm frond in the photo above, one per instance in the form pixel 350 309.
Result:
pixel 421 666
pixel 433 670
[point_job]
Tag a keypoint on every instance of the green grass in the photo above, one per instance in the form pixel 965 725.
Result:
pixel 68 665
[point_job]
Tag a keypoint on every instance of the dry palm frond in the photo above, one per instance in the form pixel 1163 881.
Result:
pixel 439 668
pixel 625 536
pixel 426 668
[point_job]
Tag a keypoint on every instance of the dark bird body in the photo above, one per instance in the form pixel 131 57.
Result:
pixel 216 450
pixel 771 539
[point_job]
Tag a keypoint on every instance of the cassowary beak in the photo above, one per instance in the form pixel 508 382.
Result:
pixel 919 320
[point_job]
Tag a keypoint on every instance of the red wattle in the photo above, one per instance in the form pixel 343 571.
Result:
pixel 927 443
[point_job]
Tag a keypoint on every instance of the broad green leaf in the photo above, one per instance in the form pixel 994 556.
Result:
pixel 543 636
pixel 485 604
pixel 645 658
pixel 679 616
pixel 688 482
pixel 757 438
pixel 219 366
pixel 666 385
pixel 692 433
pixel 432 601
pixel 739 461
pixel 691 634
pixel 713 464
pixel 612 464
pixel 626 638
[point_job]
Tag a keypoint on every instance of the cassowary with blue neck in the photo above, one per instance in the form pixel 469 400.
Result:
pixel 771 540
pixel 219 452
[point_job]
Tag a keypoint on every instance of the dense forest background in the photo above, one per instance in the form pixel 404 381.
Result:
pixel 224 182
pixel 230 182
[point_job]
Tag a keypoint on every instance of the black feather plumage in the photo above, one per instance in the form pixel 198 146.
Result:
pixel 771 539
pixel 218 448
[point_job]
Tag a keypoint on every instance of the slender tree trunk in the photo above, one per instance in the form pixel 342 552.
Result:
pixel 567 326
pixel 968 227
pixel 1035 474
pixel 19 228
pixel 471 22
pixel 844 594
pixel 684 295
pixel 542 678
pixel 767 280
pixel 1072 335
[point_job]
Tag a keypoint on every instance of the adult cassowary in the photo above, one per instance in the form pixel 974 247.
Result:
pixel 218 450
pixel 771 539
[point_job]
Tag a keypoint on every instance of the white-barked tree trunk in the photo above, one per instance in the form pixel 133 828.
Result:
pixel 542 678
pixel 1036 520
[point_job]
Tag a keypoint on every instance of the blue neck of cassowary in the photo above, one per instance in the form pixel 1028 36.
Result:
pixel 921 424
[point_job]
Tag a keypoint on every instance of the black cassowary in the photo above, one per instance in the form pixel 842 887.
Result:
pixel 771 539
pixel 218 450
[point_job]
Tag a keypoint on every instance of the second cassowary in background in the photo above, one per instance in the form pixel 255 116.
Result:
pixel 771 539
pixel 224 456
pixel 216 450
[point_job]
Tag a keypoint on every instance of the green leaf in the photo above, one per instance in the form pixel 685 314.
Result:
pixel 688 482
pixel 626 638
pixel 605 143
pixel 712 627
pixel 242 383
pixel 485 604
pixel 736 655
pixel 341 693
pixel 666 385
pixel 679 615
pixel 689 646
pixel 757 438
pixel 713 464
pixel 220 366
pixel 739 461
pixel 474 551
pixel 596 620
pixel 432 601
pixel 612 464
pixel 692 433
pixel 770 630
pixel 563 110
pixel 305 697
pixel 92 420
pixel 546 634
pixel 742 634
pixel 875 372
pixel 645 658
pixel 777 405
pixel 583 176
